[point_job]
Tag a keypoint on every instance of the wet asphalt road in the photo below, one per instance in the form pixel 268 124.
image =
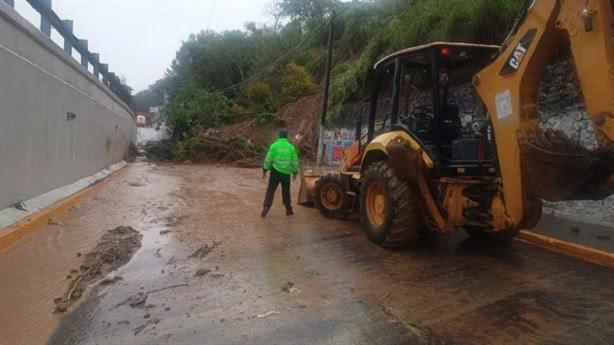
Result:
pixel 345 289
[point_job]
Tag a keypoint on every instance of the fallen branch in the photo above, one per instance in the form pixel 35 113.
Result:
pixel 167 288
pixel 75 286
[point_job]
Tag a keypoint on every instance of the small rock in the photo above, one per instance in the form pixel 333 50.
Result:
pixel 289 287
pixel 164 232
pixel 575 229
pixel 146 316
pixel 137 299
pixel 167 308
pixel 78 254
pixel 202 272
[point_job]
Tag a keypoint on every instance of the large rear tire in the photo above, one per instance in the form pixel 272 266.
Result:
pixel 388 208
pixel 331 196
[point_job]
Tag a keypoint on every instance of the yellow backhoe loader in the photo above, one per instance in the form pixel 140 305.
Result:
pixel 425 172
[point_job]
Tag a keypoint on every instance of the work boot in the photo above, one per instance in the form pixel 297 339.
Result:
pixel 264 212
pixel 289 212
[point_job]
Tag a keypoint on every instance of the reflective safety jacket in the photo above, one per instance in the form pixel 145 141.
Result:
pixel 281 157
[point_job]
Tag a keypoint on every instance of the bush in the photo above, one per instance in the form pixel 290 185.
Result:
pixel 195 109
pixel 237 110
pixel 295 83
pixel 185 149
pixel 259 96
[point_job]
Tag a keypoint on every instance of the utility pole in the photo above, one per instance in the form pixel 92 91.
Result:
pixel 329 61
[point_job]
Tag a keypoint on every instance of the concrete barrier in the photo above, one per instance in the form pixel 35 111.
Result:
pixel 58 123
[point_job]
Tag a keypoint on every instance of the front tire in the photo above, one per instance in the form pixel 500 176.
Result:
pixel 388 208
pixel 331 196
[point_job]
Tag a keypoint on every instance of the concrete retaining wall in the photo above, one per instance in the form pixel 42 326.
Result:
pixel 41 148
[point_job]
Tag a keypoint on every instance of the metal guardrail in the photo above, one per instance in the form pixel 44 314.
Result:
pixel 49 19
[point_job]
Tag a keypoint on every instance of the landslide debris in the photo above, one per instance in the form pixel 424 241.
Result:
pixel 160 150
pixel 115 248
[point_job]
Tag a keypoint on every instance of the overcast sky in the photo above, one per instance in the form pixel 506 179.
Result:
pixel 139 38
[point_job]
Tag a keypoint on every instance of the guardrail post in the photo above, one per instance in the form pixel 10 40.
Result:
pixel 95 58
pixel 45 24
pixel 68 25
pixel 104 69
pixel 10 3
pixel 112 81
pixel 84 53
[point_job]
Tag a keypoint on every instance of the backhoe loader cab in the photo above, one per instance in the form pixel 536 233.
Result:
pixel 435 121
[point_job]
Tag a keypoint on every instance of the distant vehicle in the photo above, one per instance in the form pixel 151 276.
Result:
pixel 141 120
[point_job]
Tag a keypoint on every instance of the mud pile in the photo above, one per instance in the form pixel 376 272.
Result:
pixel 115 248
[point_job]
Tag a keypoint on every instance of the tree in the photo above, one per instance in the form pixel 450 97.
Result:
pixel 309 10
pixel 275 11
pixel 195 109
pixel 143 100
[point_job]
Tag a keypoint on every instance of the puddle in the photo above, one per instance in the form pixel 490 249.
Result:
pixel 34 270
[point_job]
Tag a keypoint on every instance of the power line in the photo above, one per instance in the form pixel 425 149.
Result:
pixel 211 15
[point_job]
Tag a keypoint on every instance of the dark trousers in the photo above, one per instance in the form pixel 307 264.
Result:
pixel 274 180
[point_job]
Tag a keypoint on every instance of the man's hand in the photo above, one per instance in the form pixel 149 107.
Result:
pixel 294 177
pixel 264 175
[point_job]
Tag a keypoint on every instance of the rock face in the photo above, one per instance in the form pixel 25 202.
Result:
pixel 562 110
pixel 561 106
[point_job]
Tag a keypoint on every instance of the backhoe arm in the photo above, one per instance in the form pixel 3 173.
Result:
pixel 536 165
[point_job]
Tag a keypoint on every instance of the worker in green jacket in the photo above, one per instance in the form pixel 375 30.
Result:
pixel 281 160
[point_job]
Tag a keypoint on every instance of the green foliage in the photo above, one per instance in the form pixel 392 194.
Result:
pixel 374 30
pixel 213 61
pixel 269 119
pixel 259 95
pixel 296 83
pixel 195 109
pixel 186 148
pixel 237 110
pixel 309 10
pixel 222 64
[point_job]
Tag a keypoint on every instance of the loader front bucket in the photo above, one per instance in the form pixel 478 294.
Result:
pixel 309 179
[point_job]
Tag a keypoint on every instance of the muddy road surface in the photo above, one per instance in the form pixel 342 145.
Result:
pixel 210 270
